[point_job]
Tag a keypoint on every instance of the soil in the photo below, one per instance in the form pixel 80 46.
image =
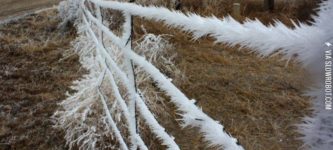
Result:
pixel 17 7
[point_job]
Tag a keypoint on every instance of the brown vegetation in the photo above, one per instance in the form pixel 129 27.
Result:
pixel 33 79
pixel 259 100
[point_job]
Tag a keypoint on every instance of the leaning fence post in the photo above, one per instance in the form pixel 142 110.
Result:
pixel 127 38
pixel 236 13
pixel 100 19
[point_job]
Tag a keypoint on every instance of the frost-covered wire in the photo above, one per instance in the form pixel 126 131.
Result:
pixel 136 140
pixel 147 115
pixel 213 131
pixel 252 33
pixel 153 123
pixel 113 125
pixel 156 128
pixel 305 41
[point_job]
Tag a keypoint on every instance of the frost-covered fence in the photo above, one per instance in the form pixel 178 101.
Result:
pixel 107 62
pixel 109 89
pixel 305 41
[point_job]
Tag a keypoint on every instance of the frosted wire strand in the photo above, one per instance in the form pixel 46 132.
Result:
pixel 113 125
pixel 304 40
pixel 252 33
pixel 129 68
pixel 100 18
pixel 136 140
pixel 131 108
pixel 156 128
pixel 148 116
pixel 212 130
pixel 126 35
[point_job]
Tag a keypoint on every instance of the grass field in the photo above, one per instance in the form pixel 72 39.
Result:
pixel 259 100
pixel 33 80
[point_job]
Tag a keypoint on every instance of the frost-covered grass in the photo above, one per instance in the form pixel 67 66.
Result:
pixel 198 33
pixel 305 41
pixel 103 97
pixel 30 72
pixel 102 65
pixel 226 82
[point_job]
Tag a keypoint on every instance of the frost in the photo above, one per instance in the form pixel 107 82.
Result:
pixel 305 41
pixel 112 63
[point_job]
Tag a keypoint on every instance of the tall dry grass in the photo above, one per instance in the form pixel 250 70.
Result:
pixel 255 108
pixel 262 115
pixel 298 10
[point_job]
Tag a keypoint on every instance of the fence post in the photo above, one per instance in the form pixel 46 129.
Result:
pixel 100 18
pixel 236 13
pixel 269 5
pixel 130 71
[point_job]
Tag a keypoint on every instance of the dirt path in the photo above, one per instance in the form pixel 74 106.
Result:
pixel 33 81
pixel 16 7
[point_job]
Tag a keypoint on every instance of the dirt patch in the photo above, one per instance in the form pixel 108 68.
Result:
pixel 33 79
pixel 16 7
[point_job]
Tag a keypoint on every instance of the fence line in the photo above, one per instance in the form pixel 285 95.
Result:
pixel 146 114
pixel 192 116
pixel 213 132
pixel 304 40
pixel 228 30
pixel 135 139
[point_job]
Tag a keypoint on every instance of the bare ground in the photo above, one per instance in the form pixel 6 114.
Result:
pixel 17 7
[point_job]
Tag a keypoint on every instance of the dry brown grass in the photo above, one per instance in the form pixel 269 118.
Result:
pixel 258 100
pixel 33 81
